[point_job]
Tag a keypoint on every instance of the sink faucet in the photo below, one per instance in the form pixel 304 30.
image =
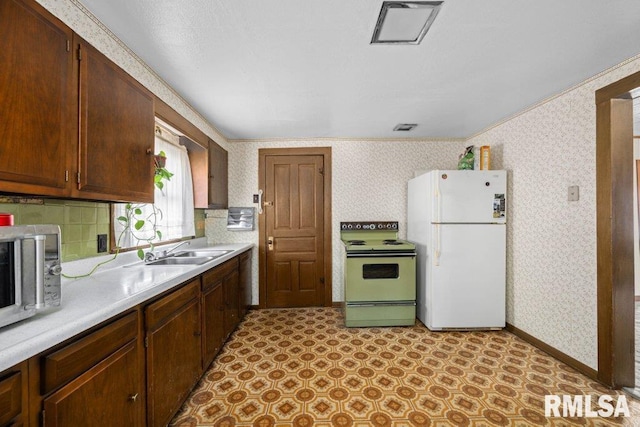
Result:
pixel 167 252
pixel 152 256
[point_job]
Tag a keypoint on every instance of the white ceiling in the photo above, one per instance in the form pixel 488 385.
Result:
pixel 305 69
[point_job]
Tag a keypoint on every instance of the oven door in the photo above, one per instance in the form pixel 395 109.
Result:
pixel 380 277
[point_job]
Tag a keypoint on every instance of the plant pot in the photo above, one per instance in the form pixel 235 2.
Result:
pixel 160 161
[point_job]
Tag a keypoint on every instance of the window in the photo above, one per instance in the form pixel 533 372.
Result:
pixel 172 210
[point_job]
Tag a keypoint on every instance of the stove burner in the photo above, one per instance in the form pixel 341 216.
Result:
pixel 356 242
pixel 391 242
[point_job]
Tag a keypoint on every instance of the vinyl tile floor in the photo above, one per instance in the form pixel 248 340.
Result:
pixel 636 391
pixel 302 368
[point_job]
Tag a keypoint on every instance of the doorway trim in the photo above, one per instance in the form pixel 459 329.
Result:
pixel 327 253
pixel 614 212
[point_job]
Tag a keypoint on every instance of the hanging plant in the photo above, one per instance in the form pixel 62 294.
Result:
pixel 161 173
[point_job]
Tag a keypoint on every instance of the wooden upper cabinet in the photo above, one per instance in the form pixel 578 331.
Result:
pixel 73 123
pixel 218 176
pixel 116 131
pixel 38 107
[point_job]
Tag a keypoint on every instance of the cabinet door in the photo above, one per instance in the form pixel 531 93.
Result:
pixel 212 323
pixel 218 176
pixel 230 302
pixel 116 132
pixel 173 352
pixel 38 105
pixel 106 394
pixel 13 395
pixel 244 290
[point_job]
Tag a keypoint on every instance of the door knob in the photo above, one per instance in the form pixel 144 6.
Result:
pixel 133 397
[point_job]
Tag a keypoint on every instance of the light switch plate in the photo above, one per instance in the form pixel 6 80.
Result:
pixel 574 193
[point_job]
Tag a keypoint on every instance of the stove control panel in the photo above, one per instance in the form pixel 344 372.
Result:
pixel 369 225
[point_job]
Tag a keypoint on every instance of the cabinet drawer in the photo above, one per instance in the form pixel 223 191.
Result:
pixel 74 359
pixel 218 273
pixel 10 397
pixel 159 311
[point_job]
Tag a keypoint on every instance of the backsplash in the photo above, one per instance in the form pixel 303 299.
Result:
pixel 80 222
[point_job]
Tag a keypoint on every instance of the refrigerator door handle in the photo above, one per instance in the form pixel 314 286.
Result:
pixel 436 201
pixel 436 252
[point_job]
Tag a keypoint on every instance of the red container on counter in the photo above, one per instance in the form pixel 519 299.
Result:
pixel 6 219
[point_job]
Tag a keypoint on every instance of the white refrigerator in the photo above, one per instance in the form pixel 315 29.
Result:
pixel 457 220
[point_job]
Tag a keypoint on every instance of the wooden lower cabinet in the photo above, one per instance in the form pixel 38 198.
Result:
pixel 212 320
pixel 106 394
pixel 230 290
pixel 13 396
pixel 173 351
pixel 244 284
pixel 98 377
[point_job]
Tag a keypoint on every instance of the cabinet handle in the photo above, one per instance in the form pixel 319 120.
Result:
pixel 133 397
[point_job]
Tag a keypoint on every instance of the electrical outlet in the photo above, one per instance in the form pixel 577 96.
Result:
pixel 102 243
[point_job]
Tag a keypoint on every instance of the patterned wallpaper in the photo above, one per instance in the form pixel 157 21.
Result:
pixel 551 242
pixel 551 258
pixel 369 183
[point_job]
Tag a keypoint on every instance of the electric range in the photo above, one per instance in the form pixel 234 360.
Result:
pixel 379 275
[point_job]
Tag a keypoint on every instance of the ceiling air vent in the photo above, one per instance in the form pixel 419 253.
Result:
pixel 404 22
pixel 405 127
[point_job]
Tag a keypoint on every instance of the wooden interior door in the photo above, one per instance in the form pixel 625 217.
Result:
pixel 294 230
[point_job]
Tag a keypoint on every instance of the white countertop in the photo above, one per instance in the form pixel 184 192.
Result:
pixel 86 302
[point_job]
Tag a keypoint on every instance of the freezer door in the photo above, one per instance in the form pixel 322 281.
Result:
pixel 462 196
pixel 466 275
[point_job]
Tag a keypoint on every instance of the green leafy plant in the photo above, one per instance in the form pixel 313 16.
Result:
pixel 133 222
pixel 161 173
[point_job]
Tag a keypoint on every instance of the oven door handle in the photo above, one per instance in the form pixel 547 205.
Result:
pixel 382 255
pixel 382 304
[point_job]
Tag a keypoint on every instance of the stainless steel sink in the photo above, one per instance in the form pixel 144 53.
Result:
pixel 202 253
pixel 182 260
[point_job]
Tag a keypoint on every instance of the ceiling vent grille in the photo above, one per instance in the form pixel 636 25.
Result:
pixel 405 127
pixel 404 22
